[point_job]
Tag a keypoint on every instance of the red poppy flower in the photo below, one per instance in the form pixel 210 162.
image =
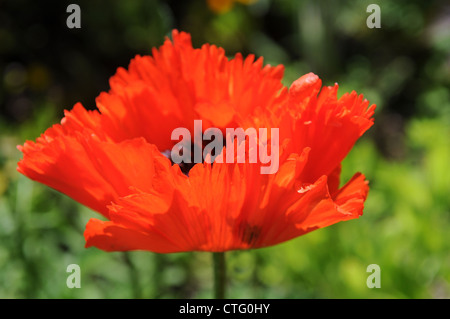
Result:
pixel 114 159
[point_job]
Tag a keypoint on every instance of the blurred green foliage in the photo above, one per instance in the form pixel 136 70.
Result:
pixel 404 68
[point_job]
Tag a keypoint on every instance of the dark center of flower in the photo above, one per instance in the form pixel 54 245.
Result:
pixel 191 149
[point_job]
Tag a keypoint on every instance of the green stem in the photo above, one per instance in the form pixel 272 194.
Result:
pixel 219 275
pixel 134 276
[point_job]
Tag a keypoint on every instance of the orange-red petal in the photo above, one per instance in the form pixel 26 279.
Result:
pixel 225 207
pixel 328 125
pixel 72 159
pixel 180 84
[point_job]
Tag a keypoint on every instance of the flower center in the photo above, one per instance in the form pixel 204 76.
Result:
pixel 191 149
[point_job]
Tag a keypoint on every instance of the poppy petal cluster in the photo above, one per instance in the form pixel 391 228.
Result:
pixel 114 159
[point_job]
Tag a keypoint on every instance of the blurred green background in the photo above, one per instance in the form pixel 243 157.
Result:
pixel 403 67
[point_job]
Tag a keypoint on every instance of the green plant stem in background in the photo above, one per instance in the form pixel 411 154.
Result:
pixel 219 275
pixel 134 276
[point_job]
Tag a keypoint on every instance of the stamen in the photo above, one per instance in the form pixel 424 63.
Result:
pixel 186 167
